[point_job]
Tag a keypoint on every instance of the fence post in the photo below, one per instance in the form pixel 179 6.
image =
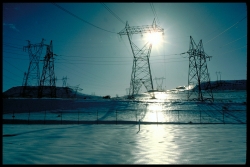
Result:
pixel 178 116
pixel 44 117
pixel 136 115
pixel 97 116
pixel 167 114
pixel 13 116
pixel 116 116
pixel 139 124
pixel 200 116
pixel 78 117
pixel 223 116
pixel 157 117
pixel 29 117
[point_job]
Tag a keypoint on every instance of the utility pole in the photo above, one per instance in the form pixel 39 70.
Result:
pixel 141 72
pixel 198 75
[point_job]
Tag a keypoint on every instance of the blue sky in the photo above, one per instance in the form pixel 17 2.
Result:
pixel 92 54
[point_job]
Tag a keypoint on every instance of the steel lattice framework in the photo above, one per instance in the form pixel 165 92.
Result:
pixel 48 74
pixel 159 85
pixel 64 79
pixel 198 75
pixel 32 77
pixel 141 73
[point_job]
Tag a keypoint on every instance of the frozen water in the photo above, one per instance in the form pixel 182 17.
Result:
pixel 228 107
pixel 123 144
pixel 171 130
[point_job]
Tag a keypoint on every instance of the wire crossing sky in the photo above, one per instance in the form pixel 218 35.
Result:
pixel 91 54
pixel 63 9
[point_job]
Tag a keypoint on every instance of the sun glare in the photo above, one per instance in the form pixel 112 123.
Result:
pixel 154 113
pixel 160 95
pixel 154 107
pixel 154 38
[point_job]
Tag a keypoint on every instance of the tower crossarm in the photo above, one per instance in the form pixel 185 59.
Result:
pixel 141 29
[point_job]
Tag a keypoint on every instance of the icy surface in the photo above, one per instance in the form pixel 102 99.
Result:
pixel 166 130
pixel 123 144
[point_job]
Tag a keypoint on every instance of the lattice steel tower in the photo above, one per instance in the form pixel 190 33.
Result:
pixel 48 80
pixel 32 77
pixel 198 75
pixel 159 85
pixel 141 73
pixel 64 79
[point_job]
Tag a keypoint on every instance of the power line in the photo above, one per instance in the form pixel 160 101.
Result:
pixel 11 79
pixel 15 53
pixel 226 30
pixel 154 12
pixel 233 41
pixel 121 63
pixel 13 38
pixel 11 46
pixel 92 83
pixel 88 57
pixel 12 65
pixel 11 72
pixel 86 73
pixel 94 62
pixel 120 57
pixel 81 18
pixel 94 77
pixel 84 58
pixel 113 13
pixel 234 50
pixel 16 58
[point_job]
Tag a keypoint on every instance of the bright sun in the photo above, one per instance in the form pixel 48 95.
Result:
pixel 154 38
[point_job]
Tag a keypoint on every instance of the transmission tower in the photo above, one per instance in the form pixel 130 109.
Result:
pixel 198 75
pixel 32 77
pixel 141 73
pixel 159 85
pixel 48 76
pixel 127 91
pixel 75 89
pixel 64 79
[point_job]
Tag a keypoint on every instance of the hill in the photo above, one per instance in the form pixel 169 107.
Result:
pixel 32 92
pixel 226 85
pixel 66 92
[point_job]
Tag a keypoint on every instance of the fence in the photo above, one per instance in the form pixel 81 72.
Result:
pixel 133 116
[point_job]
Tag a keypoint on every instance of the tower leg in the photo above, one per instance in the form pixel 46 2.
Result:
pixel 198 76
pixel 141 72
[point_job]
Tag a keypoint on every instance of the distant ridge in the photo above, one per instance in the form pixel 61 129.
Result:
pixel 66 92
pixel 32 92
pixel 226 85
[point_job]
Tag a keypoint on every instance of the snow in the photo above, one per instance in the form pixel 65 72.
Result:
pixel 121 144
pixel 166 130
pixel 66 92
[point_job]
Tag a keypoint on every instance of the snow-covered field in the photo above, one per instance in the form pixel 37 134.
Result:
pixel 166 130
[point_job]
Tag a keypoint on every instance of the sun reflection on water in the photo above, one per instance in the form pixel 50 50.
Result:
pixel 154 141
pixel 159 109
pixel 154 113
pixel 160 95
